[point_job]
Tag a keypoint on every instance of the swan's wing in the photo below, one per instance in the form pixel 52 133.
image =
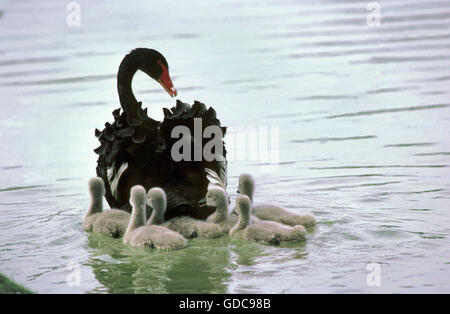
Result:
pixel 217 179
pixel 114 176
pixel 128 144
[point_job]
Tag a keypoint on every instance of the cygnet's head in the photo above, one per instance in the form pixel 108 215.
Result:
pixel 157 199
pixel 137 196
pixel 246 184
pixel 214 196
pixel 243 206
pixel 96 187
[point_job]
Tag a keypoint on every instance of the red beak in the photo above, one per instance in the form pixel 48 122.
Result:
pixel 166 82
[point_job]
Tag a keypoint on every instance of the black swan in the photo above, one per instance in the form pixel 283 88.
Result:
pixel 136 150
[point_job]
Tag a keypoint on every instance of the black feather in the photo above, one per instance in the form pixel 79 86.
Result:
pixel 144 146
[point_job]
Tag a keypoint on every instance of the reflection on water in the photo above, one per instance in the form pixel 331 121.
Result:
pixel 363 114
pixel 157 271
pixel 209 263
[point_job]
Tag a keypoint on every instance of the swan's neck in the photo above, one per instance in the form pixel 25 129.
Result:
pixel 249 192
pixel 96 205
pixel 137 217
pixel 221 210
pixel 127 69
pixel 243 222
pixel 157 217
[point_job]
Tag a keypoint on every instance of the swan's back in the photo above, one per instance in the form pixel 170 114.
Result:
pixel 226 224
pixel 89 221
pixel 272 232
pixel 229 222
pixel 191 228
pixel 155 236
pixel 112 222
pixel 281 215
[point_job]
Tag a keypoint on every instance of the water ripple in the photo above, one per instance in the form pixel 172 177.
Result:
pixel 387 110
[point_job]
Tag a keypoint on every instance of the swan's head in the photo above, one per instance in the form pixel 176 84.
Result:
pixel 154 65
pixel 137 196
pixel 215 196
pixel 96 187
pixel 243 206
pixel 246 184
pixel 157 200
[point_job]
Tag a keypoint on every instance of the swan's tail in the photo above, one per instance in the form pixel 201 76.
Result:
pixel 215 171
pixel 114 177
pixel 217 179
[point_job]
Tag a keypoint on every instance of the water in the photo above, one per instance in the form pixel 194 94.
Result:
pixel 363 115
